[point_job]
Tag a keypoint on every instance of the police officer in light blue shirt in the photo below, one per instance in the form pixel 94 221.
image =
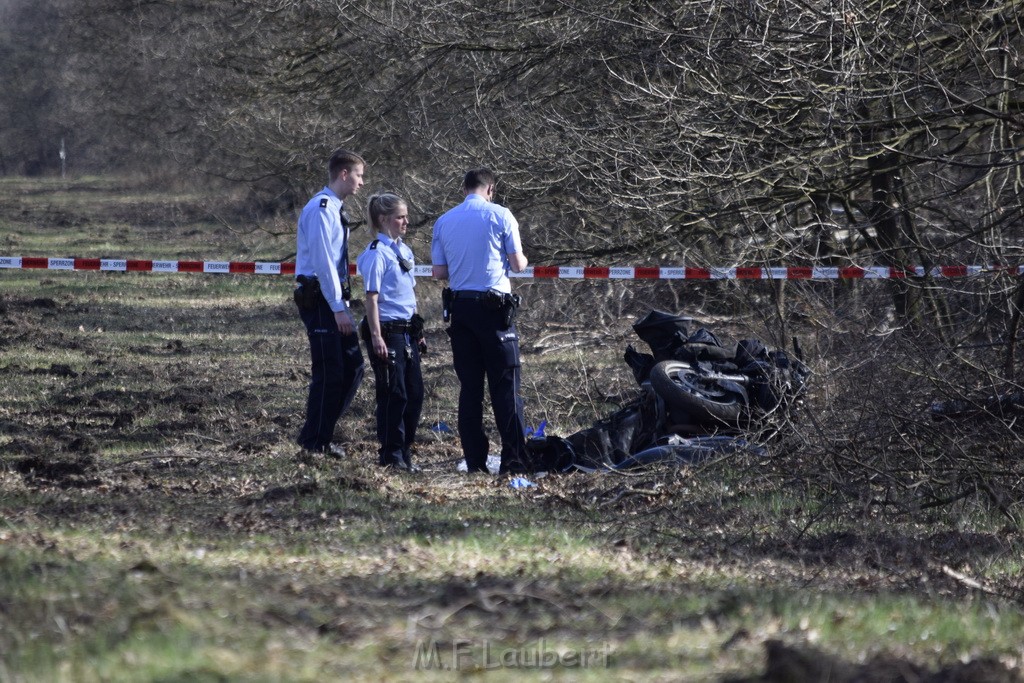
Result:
pixel 321 270
pixel 477 240
pixel 474 247
pixel 392 331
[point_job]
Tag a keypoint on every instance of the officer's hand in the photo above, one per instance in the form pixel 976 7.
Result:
pixel 379 346
pixel 346 325
pixel 422 343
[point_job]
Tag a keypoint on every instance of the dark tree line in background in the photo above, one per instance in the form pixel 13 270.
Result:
pixel 626 131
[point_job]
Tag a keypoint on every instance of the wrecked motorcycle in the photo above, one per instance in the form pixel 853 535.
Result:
pixel 697 398
pixel 707 383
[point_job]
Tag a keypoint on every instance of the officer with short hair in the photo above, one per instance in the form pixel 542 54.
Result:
pixel 321 269
pixel 392 331
pixel 474 247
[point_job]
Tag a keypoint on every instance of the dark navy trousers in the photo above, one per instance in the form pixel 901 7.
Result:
pixel 483 348
pixel 399 394
pixel 337 369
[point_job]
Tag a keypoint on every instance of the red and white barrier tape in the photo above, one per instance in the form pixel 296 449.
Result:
pixel 541 272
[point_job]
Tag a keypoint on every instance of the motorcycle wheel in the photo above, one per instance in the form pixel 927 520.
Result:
pixel 680 385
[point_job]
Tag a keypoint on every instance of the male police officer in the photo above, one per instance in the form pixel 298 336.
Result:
pixel 474 246
pixel 321 269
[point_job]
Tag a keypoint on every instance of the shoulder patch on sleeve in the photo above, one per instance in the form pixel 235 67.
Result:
pixel 323 202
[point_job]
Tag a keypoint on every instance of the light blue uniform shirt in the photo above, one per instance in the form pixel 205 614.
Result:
pixel 474 240
pixel 319 243
pixel 382 273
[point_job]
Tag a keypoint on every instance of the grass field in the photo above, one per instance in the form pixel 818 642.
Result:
pixel 157 522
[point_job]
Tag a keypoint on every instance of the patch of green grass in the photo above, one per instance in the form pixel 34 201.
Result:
pixel 217 597
pixel 250 610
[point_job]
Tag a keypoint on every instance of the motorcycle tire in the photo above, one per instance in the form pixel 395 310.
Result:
pixel 681 386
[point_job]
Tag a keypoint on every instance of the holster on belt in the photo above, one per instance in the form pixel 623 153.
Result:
pixel 307 292
pixel 446 304
pixel 509 304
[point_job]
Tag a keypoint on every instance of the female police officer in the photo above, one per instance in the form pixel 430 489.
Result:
pixel 392 331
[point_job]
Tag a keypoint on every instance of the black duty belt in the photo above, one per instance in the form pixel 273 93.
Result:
pixel 470 294
pixel 395 326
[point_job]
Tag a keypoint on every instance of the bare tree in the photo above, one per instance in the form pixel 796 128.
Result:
pixel 819 132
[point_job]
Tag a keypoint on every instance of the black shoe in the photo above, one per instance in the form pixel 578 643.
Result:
pixel 514 467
